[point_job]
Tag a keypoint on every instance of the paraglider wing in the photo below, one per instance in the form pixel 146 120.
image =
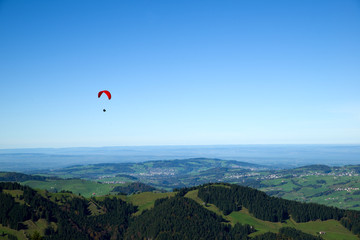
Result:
pixel 106 92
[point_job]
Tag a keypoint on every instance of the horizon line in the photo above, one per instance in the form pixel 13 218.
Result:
pixel 189 145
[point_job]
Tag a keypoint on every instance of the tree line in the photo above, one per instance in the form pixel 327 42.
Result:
pixel 230 197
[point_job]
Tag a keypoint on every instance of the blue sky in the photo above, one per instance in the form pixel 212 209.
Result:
pixel 180 72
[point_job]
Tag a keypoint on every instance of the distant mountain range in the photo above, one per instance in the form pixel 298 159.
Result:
pixel 279 156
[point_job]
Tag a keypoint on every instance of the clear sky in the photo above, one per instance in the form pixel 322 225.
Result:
pixel 180 72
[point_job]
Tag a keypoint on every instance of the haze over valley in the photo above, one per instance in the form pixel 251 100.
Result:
pixel 275 156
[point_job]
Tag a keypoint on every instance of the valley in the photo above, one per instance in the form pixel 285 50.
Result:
pixel 332 186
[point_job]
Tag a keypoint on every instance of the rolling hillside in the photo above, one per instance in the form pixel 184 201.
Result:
pixel 196 213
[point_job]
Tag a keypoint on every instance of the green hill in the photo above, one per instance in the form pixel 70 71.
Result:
pixel 212 211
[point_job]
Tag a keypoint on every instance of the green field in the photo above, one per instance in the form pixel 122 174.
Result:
pixel 334 230
pixel 337 191
pixel 5 230
pixel 146 200
pixel 77 186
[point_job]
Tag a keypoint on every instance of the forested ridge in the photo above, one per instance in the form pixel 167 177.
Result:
pixel 72 217
pixel 20 177
pixel 134 188
pixel 233 197
pixel 262 206
pixel 182 218
pixel 171 218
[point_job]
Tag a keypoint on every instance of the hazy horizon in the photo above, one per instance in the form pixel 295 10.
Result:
pixel 190 145
pixel 280 156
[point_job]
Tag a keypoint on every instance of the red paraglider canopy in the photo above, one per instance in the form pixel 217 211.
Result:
pixel 106 92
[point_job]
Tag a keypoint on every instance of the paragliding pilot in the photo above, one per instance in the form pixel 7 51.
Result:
pixel 108 94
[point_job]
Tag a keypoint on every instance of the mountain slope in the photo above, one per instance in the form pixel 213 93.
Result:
pixel 211 211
